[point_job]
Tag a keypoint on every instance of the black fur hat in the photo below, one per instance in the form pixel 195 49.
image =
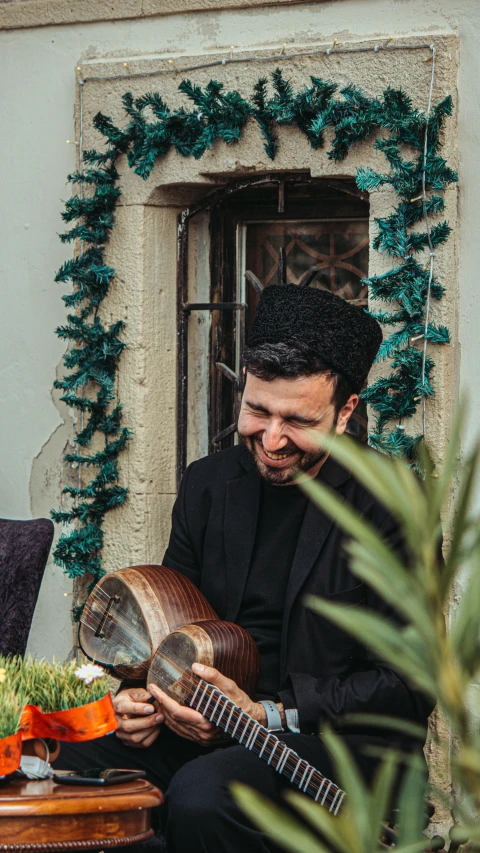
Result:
pixel 344 336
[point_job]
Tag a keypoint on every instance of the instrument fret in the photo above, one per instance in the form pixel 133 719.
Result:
pixel 273 751
pixel 263 743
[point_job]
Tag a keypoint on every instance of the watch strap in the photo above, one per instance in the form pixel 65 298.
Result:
pixel 274 720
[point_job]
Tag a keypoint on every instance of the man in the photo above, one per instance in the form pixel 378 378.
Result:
pixel 245 533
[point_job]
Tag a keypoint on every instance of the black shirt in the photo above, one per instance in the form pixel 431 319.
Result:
pixel 280 517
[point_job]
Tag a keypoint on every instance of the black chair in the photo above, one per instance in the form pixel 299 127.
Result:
pixel 24 550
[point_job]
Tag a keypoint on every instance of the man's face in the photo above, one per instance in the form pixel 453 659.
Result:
pixel 278 420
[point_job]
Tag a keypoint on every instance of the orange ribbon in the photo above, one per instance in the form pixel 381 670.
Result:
pixel 10 753
pixel 77 724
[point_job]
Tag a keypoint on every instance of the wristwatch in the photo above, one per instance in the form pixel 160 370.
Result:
pixel 274 720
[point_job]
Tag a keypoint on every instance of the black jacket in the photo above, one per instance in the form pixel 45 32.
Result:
pixel 325 673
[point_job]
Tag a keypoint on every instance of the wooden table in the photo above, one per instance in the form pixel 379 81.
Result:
pixel 44 816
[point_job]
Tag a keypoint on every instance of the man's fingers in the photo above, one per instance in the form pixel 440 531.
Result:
pixel 182 731
pixel 213 676
pixel 124 705
pixel 151 738
pixel 142 737
pixel 139 694
pixel 192 733
pixel 174 710
pixel 197 735
pixel 201 725
pixel 139 724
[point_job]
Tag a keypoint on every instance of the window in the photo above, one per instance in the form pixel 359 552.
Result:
pixel 315 221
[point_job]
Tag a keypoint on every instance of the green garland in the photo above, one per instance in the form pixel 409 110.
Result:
pixel 152 130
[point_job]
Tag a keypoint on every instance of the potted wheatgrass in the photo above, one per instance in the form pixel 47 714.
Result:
pixel 52 701
pixel 11 707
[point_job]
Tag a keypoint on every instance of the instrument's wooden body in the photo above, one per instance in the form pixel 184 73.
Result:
pixel 131 612
pixel 223 645
pixel 150 623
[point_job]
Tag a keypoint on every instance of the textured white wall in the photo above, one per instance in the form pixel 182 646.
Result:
pixel 38 90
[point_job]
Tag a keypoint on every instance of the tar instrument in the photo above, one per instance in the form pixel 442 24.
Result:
pixel 151 623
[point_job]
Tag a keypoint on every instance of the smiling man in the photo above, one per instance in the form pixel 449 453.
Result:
pixel 245 533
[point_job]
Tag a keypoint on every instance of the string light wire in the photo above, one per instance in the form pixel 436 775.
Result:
pixel 81 191
pixel 429 239
pixel 232 59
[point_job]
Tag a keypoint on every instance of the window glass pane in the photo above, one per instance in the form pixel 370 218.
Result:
pixel 339 247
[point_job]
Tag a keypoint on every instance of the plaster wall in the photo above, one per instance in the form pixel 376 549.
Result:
pixel 37 71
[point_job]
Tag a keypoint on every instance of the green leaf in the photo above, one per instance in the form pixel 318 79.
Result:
pixel 389 480
pixel 351 521
pixel 462 510
pixel 411 802
pixel 465 630
pixel 381 796
pixel 405 727
pixel 465 832
pixel 351 781
pixel 440 487
pixel 284 829
pixel 382 571
pixel 339 832
pixel 398 648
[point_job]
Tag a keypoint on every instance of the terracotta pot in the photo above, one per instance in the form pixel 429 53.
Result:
pixel 44 748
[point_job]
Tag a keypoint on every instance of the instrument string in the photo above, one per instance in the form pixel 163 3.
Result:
pixel 130 632
pixel 272 742
pixel 114 617
pixel 291 765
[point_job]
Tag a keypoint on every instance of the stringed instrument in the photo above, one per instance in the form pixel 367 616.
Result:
pixel 150 623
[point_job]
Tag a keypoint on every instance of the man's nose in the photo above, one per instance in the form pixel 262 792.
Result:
pixel 273 439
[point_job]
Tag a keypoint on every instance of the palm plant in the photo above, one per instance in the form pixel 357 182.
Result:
pixel 440 662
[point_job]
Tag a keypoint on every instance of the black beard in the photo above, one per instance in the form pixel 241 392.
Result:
pixel 279 476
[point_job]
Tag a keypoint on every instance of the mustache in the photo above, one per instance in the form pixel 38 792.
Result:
pixel 289 448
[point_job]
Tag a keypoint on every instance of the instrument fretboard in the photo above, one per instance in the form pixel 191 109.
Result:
pixel 216 707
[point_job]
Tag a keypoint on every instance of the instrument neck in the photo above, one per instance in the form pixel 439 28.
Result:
pixel 216 707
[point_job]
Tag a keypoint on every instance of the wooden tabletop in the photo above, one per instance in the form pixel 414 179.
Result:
pixel 43 816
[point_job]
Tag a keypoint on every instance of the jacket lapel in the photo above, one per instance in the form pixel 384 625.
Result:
pixel 313 534
pixel 241 513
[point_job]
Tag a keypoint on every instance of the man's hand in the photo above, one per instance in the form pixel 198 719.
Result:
pixel 190 724
pixel 138 722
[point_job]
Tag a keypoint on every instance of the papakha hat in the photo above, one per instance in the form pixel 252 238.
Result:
pixel 344 336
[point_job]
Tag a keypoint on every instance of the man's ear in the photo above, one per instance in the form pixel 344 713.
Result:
pixel 345 414
pixel 242 379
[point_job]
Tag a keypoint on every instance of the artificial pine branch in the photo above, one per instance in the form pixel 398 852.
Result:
pixel 151 131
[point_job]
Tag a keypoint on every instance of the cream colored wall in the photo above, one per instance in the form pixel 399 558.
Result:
pixel 38 82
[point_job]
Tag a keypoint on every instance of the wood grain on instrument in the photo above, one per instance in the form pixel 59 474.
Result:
pixel 223 645
pixel 235 654
pixel 166 600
